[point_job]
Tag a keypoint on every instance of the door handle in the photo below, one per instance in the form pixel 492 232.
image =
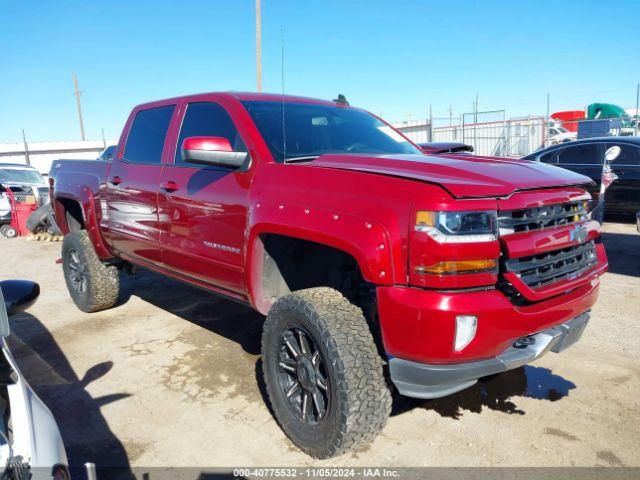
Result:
pixel 170 186
pixel 115 181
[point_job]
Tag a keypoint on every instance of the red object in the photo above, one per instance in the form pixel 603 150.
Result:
pixel 22 206
pixel 207 227
pixel 569 118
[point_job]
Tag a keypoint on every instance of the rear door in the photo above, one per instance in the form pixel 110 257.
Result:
pixel 131 198
pixel 583 158
pixel 623 195
pixel 203 209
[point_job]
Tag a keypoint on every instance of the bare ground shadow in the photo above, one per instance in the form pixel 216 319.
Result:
pixel 623 252
pixel 495 393
pixel 232 320
pixel 242 325
pixel 85 431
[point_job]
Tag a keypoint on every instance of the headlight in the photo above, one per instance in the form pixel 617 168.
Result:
pixel 458 227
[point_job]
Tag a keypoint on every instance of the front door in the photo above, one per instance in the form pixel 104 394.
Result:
pixel 130 207
pixel 623 196
pixel 203 209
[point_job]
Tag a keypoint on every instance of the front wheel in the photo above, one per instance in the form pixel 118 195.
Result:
pixel 323 373
pixel 93 286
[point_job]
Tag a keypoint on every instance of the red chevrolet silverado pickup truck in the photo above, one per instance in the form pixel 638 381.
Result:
pixel 371 260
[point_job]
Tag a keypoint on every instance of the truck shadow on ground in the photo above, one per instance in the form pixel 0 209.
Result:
pixel 623 252
pixel 85 431
pixel 230 319
pixel 495 393
pixel 242 325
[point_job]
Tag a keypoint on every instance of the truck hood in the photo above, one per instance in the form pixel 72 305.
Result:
pixel 463 176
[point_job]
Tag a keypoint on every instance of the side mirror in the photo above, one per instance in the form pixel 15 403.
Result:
pixel 612 153
pixel 18 295
pixel 211 151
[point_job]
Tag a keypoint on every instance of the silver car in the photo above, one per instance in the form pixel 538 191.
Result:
pixel 30 441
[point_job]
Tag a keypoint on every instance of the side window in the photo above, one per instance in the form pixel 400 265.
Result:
pixel 146 137
pixel 580 154
pixel 629 154
pixel 206 119
pixel 550 157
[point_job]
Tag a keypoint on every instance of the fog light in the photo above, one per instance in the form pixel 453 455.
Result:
pixel 466 326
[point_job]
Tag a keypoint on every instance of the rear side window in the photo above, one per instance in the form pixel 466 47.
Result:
pixel 206 119
pixel 629 154
pixel 549 157
pixel 146 137
pixel 581 154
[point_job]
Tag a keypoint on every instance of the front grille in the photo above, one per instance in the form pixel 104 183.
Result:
pixel 538 218
pixel 550 267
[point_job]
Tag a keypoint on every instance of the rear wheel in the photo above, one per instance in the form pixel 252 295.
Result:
pixel 93 286
pixel 323 373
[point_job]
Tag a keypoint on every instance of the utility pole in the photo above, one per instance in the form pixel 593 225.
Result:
pixel 258 46
pixel 546 123
pixel 637 116
pixel 27 160
pixel 77 93
pixel 430 124
pixel 450 115
pixel 475 123
pixel 104 142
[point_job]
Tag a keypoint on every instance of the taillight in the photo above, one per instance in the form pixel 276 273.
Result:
pixel 454 249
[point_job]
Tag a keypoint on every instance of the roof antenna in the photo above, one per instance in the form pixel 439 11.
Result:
pixel 284 131
pixel 342 100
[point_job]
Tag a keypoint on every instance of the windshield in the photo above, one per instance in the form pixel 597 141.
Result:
pixel 20 176
pixel 312 130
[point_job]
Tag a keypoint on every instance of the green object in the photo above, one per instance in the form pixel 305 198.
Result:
pixel 608 110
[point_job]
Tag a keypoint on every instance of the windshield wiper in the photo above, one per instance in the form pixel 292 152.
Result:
pixel 301 159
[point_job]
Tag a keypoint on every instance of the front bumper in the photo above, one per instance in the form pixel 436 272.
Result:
pixel 420 380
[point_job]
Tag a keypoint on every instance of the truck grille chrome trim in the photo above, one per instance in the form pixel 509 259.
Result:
pixel 538 218
pixel 550 267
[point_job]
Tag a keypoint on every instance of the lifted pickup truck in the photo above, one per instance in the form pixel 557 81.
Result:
pixel 370 260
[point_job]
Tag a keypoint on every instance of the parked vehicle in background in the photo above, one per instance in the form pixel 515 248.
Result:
pixel 20 179
pixel 558 134
pixel 107 153
pixel 365 254
pixel 445 147
pixel 30 441
pixel 586 157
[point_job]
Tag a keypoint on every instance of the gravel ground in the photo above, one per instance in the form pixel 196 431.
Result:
pixel 171 377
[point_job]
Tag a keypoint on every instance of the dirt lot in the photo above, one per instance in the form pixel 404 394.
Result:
pixel 171 377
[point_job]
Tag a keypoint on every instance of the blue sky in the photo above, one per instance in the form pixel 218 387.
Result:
pixel 393 58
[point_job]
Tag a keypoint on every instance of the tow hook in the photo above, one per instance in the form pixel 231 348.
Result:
pixel 524 342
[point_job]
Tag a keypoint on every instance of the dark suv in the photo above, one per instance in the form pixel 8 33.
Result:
pixel 586 157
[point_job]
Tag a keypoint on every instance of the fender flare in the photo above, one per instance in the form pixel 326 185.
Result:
pixel 86 200
pixel 366 241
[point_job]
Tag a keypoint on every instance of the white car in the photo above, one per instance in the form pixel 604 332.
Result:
pixel 30 442
pixel 559 134
pixel 25 178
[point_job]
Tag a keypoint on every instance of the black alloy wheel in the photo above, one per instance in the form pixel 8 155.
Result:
pixel 303 376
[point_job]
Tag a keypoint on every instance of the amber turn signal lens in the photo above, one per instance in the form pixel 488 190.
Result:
pixel 459 266
pixel 426 219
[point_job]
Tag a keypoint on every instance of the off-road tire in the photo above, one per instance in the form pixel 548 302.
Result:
pixel 360 400
pixel 102 281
